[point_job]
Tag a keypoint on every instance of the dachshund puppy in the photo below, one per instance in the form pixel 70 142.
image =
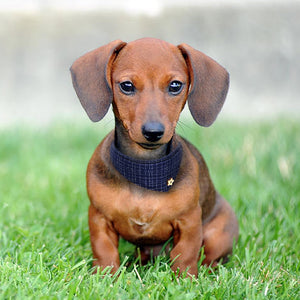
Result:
pixel 145 183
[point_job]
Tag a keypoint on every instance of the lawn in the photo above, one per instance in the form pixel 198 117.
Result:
pixel 44 239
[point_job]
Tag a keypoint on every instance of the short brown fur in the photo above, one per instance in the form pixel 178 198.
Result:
pixel 191 212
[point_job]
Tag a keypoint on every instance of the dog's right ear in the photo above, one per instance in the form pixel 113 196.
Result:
pixel 91 79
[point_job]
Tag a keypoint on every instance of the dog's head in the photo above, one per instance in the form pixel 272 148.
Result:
pixel 148 82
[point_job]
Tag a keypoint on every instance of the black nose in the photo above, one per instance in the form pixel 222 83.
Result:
pixel 153 131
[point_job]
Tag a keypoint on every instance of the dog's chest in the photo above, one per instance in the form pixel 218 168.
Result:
pixel 143 219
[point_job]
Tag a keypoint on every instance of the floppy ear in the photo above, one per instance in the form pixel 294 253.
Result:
pixel 209 84
pixel 91 79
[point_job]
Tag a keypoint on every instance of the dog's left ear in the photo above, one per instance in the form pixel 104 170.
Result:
pixel 209 84
pixel 91 79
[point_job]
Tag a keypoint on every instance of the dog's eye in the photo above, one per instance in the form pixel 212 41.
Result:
pixel 175 87
pixel 127 87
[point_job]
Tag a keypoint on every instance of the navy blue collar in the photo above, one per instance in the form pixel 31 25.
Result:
pixel 157 175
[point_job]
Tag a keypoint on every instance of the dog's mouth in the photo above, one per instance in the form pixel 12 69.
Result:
pixel 150 146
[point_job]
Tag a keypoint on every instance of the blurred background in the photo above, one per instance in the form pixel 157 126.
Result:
pixel 258 42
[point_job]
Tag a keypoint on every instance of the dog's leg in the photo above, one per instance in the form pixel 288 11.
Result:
pixel 104 241
pixel 187 242
pixel 220 233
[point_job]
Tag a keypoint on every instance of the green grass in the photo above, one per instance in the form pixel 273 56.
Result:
pixel 44 239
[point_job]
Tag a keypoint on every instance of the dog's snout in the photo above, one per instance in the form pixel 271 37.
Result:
pixel 153 131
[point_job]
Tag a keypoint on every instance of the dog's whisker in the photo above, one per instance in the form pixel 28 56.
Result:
pixel 184 127
pixel 109 121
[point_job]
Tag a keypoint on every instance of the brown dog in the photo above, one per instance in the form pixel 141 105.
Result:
pixel 145 183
